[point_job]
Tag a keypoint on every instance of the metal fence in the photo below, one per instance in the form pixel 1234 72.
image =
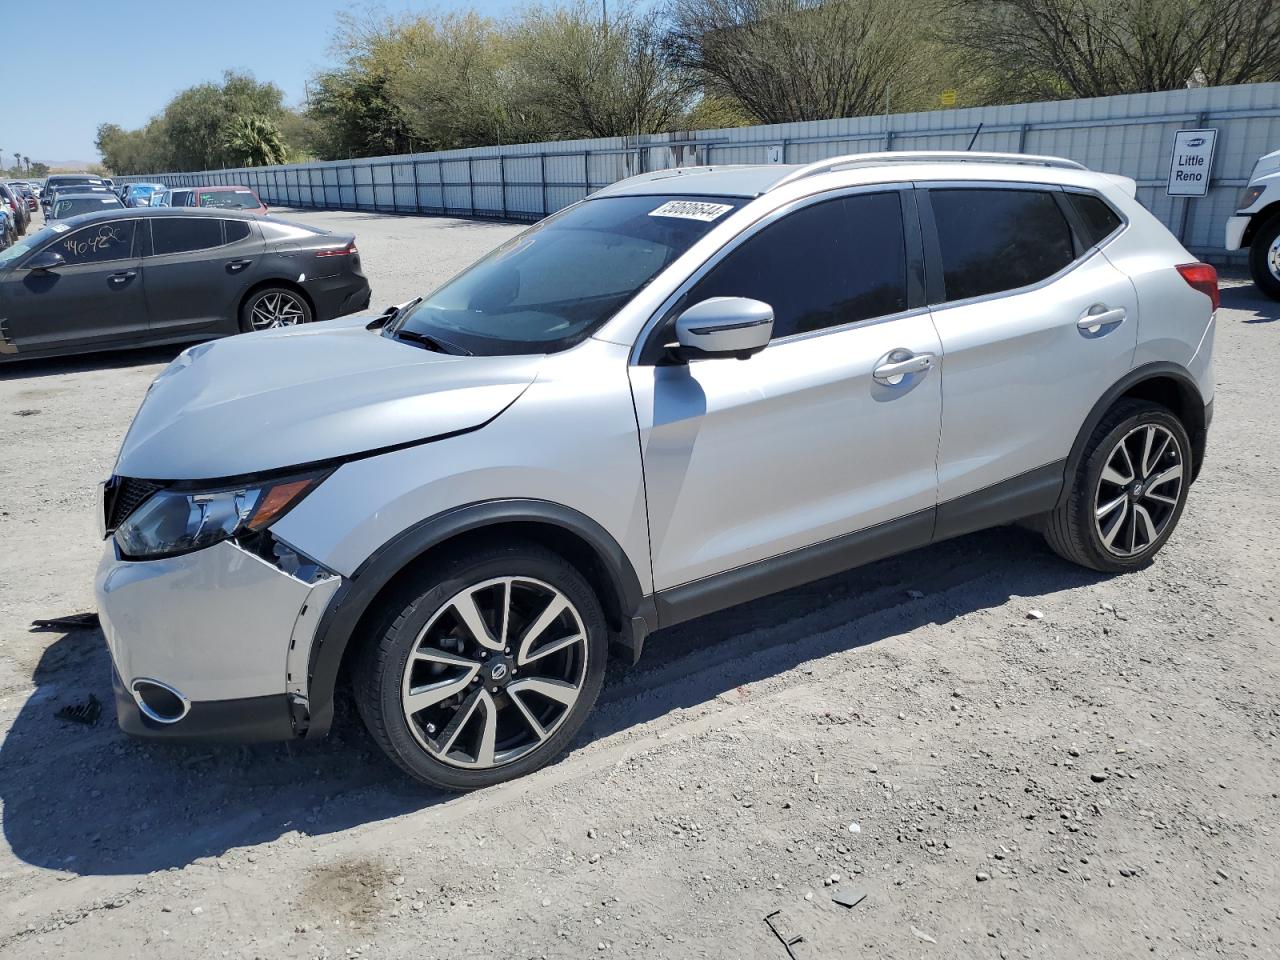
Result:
pixel 1130 135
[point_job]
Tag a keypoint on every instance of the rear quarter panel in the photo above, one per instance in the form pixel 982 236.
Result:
pixel 1174 319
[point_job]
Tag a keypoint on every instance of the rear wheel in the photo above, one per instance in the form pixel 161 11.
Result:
pixel 1128 492
pixel 1264 258
pixel 484 668
pixel 274 307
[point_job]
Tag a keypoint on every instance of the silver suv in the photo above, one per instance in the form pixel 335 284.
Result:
pixel 696 387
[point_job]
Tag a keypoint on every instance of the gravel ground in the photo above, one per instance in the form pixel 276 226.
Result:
pixel 1004 755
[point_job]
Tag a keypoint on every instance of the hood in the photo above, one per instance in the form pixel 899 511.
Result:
pixel 1267 164
pixel 281 398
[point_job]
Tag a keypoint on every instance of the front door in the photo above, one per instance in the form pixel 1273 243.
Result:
pixel 95 297
pixel 808 440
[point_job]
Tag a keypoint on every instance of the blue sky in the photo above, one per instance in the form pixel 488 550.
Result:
pixel 85 62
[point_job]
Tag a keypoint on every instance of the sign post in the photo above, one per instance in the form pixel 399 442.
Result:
pixel 1192 162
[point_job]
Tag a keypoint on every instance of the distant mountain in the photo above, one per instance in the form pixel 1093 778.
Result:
pixel 71 165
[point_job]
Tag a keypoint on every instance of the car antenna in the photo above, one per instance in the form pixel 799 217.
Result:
pixel 974 138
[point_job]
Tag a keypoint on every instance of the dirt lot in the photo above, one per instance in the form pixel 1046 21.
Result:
pixel 1098 781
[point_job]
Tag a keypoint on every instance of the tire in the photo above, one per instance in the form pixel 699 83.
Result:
pixel 421 650
pixel 1264 258
pixel 1081 529
pixel 273 307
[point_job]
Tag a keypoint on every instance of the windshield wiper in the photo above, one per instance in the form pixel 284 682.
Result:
pixel 431 343
pixel 392 314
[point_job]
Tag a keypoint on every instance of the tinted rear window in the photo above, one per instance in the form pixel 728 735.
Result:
pixel 235 230
pixel 182 235
pixel 999 239
pixel 1100 220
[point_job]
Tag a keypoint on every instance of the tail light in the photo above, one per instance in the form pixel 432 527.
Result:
pixel 348 250
pixel 1202 277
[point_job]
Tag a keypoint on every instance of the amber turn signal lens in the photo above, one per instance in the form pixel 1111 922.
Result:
pixel 277 500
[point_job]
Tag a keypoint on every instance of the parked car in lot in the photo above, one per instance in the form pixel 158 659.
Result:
pixel 8 235
pixel 23 188
pixel 139 194
pixel 1256 224
pixel 54 181
pixel 124 278
pixel 222 198
pixel 50 200
pixel 684 392
pixel 71 203
pixel 17 207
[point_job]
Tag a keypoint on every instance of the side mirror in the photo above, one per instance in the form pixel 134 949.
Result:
pixel 46 260
pixel 724 327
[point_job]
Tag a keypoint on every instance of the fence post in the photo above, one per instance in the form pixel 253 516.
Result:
pixel 502 185
pixel 586 173
pixel 542 175
pixel 471 184
pixel 1022 138
pixel 1201 119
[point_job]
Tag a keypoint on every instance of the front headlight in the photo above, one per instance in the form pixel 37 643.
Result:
pixel 175 521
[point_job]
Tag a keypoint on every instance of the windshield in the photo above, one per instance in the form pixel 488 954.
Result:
pixel 230 199
pixel 74 205
pixel 557 282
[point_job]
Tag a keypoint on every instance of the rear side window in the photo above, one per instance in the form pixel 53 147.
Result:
pixel 96 243
pixel 996 239
pixel 235 230
pixel 1100 221
pixel 182 235
pixel 832 263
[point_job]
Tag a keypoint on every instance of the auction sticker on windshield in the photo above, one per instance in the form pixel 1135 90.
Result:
pixel 692 210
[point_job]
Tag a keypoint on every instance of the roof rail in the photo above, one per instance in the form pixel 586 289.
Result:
pixel 923 156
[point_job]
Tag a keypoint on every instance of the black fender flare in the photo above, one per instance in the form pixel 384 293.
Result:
pixel 357 593
pixel 1187 386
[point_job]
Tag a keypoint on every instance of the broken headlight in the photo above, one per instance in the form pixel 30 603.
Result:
pixel 175 521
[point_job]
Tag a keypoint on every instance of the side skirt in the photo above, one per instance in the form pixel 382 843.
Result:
pixel 1026 495
pixel 759 579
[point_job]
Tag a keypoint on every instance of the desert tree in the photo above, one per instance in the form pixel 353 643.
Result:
pixel 1038 49
pixel 785 60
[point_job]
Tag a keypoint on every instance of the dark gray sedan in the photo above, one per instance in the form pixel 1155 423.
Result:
pixel 128 277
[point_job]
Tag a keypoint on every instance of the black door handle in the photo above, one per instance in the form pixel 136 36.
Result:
pixel 235 266
pixel 124 277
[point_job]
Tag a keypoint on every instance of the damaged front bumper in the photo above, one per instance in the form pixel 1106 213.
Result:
pixel 210 645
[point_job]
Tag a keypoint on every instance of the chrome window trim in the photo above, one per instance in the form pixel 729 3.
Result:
pixel 750 230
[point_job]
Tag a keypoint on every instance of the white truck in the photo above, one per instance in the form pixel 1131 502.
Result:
pixel 1256 224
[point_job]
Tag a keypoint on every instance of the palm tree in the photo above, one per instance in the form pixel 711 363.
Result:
pixel 17 157
pixel 254 141
pixel 27 161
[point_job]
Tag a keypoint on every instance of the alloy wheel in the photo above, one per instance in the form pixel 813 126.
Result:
pixel 1273 257
pixel 276 309
pixel 1139 490
pixel 494 673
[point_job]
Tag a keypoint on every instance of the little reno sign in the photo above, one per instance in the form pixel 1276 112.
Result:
pixel 1192 161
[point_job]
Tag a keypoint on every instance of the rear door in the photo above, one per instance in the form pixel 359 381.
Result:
pixel 197 270
pixel 95 298
pixel 1035 326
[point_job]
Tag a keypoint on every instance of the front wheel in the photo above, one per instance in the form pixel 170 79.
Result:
pixel 1128 491
pixel 484 667
pixel 274 307
pixel 1264 258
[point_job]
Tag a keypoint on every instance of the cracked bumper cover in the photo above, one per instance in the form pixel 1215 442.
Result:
pixel 228 630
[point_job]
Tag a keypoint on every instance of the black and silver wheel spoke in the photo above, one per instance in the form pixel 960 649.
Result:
pixel 473 695
pixel 1139 490
pixel 276 310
